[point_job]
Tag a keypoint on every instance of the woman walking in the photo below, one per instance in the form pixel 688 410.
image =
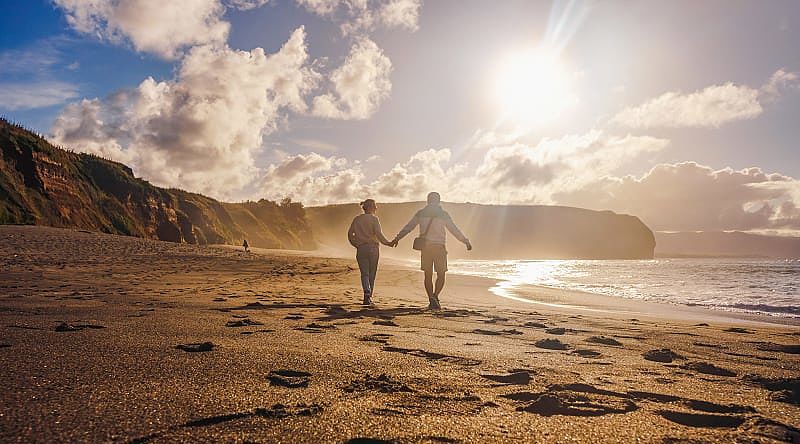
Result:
pixel 364 234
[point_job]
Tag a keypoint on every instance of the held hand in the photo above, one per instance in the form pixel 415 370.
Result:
pixel 469 246
pixel 393 243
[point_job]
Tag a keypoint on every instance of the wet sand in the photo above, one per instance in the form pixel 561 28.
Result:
pixel 108 338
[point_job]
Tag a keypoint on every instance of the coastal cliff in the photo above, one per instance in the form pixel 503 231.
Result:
pixel 42 184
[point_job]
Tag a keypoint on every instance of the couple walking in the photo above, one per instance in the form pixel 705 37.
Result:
pixel 365 233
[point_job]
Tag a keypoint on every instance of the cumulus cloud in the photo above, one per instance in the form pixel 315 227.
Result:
pixel 710 107
pixel 163 28
pixel 362 16
pixel 37 94
pixel 359 85
pixel 687 197
pixel 202 129
pixel 506 174
pixel 713 106
pixel 315 179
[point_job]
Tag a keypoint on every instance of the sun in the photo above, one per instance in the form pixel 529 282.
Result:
pixel 532 86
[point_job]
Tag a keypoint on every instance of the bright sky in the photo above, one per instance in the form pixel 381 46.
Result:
pixel 684 113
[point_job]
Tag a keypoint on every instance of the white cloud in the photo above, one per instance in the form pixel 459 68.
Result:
pixel 712 107
pixel 160 27
pixel 507 174
pixel 359 85
pixel 364 16
pixel 246 5
pixel 687 196
pixel 780 82
pixel 37 94
pixel 202 129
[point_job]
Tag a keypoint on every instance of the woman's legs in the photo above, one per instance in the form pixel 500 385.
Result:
pixel 373 268
pixel 363 259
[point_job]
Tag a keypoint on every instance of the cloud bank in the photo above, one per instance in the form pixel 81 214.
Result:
pixel 710 107
pixel 202 129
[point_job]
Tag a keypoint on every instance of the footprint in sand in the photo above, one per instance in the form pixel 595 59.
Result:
pixel 661 355
pixel 76 327
pixel 573 400
pixel 701 419
pixel 784 389
pixel 603 340
pixel 197 347
pixel 369 441
pixel 768 428
pixel 551 344
pixel 381 383
pixel 277 411
pixel 497 332
pixel 381 338
pixel 514 378
pixel 534 325
pixel 246 322
pixel 289 378
pixel 432 355
pixel 708 369
pixel 738 330
pixel 792 349
pixel 316 328
pixel 585 353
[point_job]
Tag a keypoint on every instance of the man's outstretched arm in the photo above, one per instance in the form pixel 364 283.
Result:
pixel 453 229
pixel 407 229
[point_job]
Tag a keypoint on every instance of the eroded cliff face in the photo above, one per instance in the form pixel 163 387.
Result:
pixel 508 231
pixel 44 185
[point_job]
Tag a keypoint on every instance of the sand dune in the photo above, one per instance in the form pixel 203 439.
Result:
pixel 108 338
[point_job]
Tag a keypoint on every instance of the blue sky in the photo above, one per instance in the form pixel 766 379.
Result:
pixel 645 89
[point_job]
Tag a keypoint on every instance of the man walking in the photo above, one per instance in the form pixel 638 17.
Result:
pixel 433 221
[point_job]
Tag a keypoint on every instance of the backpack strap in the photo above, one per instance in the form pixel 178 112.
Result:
pixel 425 233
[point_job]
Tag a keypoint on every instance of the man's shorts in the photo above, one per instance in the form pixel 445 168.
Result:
pixel 434 256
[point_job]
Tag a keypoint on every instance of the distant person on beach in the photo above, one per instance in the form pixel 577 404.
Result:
pixel 433 221
pixel 246 246
pixel 364 234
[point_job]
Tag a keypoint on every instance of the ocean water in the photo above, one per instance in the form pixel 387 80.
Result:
pixel 770 287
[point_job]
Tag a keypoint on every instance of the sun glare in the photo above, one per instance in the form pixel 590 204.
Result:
pixel 532 87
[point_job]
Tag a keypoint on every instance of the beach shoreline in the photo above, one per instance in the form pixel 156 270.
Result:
pixel 111 338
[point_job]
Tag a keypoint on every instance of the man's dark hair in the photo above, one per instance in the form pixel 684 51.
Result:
pixel 434 197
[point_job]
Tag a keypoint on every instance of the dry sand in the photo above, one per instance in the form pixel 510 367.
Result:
pixel 107 338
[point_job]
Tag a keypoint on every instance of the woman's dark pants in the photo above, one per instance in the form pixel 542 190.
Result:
pixel 367 257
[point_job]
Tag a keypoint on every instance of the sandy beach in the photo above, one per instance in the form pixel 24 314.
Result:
pixel 119 339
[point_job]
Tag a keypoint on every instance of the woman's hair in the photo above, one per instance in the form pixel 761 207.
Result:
pixel 369 203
